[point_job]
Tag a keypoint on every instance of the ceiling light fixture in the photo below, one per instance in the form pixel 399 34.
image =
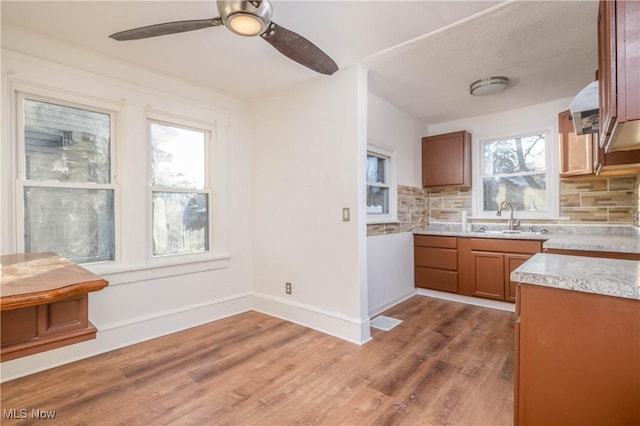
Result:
pixel 488 86
pixel 246 24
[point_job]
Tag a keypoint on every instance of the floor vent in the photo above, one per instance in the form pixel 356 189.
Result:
pixel 384 323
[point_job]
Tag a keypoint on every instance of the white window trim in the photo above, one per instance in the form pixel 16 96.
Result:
pixel 392 172
pixel 21 180
pixel 553 180
pixel 127 266
pixel 209 130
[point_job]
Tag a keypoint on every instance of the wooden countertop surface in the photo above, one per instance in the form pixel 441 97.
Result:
pixel 31 279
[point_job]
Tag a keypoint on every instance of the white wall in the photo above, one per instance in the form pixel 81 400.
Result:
pixel 309 150
pixel 389 126
pixel 390 257
pixel 143 300
pixel 534 118
pixel 507 123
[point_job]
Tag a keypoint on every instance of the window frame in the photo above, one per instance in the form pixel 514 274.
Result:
pixel 210 137
pixel 21 180
pixel 390 157
pixel 551 176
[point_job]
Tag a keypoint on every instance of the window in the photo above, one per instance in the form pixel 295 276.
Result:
pixel 180 193
pixel 381 186
pixel 516 169
pixel 65 179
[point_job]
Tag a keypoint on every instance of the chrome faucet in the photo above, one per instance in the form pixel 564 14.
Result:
pixel 513 224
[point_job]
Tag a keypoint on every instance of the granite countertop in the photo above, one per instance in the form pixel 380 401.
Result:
pixel 609 277
pixel 490 234
pixel 572 237
pixel 595 242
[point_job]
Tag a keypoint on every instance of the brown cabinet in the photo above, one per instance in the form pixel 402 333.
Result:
pixel 577 358
pixel 478 267
pixel 486 265
pixel 615 163
pixel 581 155
pixel 436 262
pixel 446 160
pixel 619 74
pixel 511 262
pixel 576 151
pixel 44 303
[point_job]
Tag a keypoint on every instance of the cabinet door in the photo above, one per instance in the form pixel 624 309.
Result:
pixel 606 68
pixel 511 262
pixel 446 160
pixel 577 358
pixel 575 150
pixel 488 270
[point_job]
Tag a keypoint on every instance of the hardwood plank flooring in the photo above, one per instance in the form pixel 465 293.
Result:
pixel 446 364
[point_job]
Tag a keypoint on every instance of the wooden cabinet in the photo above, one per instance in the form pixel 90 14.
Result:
pixel 436 262
pixel 511 262
pixel 581 155
pixel 619 74
pixel 576 151
pixel 577 358
pixel 44 303
pixel 446 160
pixel 478 267
pixel 486 265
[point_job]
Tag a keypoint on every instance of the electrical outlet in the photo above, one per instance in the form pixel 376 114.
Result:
pixel 287 288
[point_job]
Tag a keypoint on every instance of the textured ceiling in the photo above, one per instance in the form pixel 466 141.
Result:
pixel 422 55
pixel 547 49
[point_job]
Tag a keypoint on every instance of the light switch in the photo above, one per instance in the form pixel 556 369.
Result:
pixel 346 214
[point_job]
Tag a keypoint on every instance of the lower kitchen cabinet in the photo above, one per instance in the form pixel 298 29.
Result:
pixel 478 267
pixel 511 262
pixel 488 272
pixel 486 265
pixel 436 262
pixel 577 358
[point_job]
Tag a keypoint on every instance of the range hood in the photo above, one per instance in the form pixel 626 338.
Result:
pixel 585 109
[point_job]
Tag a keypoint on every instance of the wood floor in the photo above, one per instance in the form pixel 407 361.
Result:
pixel 447 363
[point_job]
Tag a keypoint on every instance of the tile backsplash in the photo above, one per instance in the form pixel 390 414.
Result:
pixel 591 200
pixel 608 200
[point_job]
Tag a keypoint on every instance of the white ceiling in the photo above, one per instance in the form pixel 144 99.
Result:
pixel 421 55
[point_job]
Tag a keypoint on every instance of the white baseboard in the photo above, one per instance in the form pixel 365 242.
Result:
pixel 355 330
pixel 477 301
pixel 380 309
pixel 117 335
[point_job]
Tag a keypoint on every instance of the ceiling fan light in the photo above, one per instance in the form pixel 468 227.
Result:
pixel 245 24
pixel 488 86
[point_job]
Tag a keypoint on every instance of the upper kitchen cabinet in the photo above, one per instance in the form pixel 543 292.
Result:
pixel 576 151
pixel 446 160
pixel 619 69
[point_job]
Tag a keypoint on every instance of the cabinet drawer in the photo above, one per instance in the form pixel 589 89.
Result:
pixel 436 279
pixel 435 241
pixel 506 246
pixel 436 258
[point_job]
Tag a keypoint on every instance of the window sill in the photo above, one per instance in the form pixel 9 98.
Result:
pixel 118 274
pixel 381 221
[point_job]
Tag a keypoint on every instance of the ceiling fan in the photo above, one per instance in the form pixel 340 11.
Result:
pixel 247 18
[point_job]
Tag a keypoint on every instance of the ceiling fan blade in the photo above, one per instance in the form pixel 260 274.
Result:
pixel 298 48
pixel 166 28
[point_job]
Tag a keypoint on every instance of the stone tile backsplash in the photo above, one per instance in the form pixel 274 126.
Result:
pixel 600 199
pixel 592 200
